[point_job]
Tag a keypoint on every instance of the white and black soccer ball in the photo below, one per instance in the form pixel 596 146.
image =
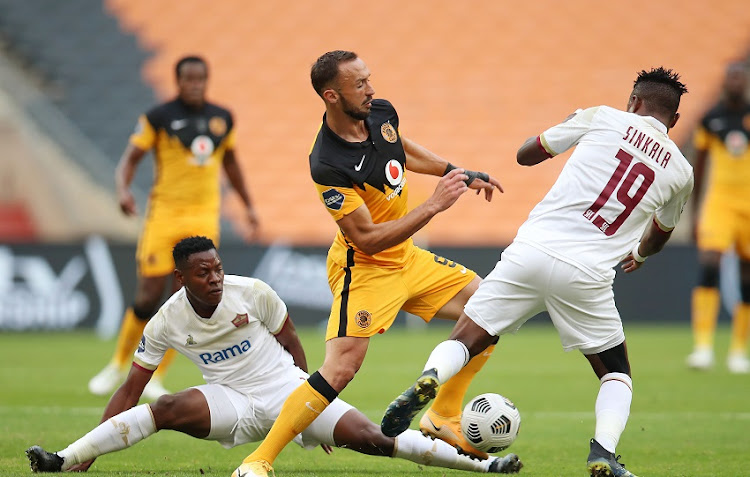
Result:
pixel 490 422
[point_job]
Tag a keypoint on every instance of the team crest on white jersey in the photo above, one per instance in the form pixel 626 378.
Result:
pixel 190 341
pixel 240 320
pixel 389 132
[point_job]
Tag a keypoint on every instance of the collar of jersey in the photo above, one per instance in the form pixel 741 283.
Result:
pixel 353 145
pixel 655 123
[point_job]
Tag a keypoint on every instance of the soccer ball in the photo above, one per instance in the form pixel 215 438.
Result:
pixel 490 422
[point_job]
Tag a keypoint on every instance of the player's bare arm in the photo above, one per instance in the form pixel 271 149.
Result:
pixel 531 152
pixel 699 169
pixel 372 238
pixel 289 340
pixel 421 160
pixel 234 174
pixel 656 236
pixel 124 177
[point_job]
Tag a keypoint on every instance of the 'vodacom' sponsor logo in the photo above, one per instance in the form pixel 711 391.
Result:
pixel 394 174
pixel 396 191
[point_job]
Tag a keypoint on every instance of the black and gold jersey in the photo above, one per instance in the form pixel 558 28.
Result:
pixel 724 133
pixel 371 172
pixel 189 146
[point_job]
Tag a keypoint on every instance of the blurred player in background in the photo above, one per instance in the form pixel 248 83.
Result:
pixel 724 220
pixel 238 332
pixel 192 141
pixel 625 175
pixel 358 164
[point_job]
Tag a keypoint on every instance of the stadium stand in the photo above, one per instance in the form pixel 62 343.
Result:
pixel 469 83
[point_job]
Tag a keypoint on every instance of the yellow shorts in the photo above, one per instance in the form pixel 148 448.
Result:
pixel 724 222
pixel 160 234
pixel 367 298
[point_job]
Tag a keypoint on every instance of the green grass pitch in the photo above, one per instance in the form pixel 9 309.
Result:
pixel 682 423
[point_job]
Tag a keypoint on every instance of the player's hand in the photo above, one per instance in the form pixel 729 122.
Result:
pixel 629 264
pixel 127 202
pixel 449 189
pixel 82 467
pixel 488 187
pixel 250 229
pixel 327 449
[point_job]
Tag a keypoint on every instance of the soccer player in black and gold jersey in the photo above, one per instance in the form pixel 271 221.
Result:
pixel 358 163
pixel 192 140
pixel 724 222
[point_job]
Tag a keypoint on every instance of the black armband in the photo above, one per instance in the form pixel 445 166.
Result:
pixel 476 175
pixel 472 175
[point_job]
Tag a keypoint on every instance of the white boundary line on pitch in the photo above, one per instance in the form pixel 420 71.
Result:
pixel 97 410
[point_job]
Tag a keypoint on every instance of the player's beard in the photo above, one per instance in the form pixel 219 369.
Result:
pixel 351 111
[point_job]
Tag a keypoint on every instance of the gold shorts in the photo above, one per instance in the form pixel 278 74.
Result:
pixel 367 298
pixel 160 235
pixel 724 222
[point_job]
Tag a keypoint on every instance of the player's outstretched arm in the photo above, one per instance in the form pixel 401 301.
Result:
pixel 421 160
pixel 653 241
pixel 289 339
pixel 128 394
pixel 372 238
pixel 124 177
pixel 251 227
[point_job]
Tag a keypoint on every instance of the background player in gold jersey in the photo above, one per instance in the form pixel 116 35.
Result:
pixel 358 163
pixel 724 219
pixel 192 141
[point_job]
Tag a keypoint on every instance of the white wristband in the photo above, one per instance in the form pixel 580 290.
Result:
pixel 637 256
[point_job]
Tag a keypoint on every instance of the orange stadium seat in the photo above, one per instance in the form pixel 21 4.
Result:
pixel 471 81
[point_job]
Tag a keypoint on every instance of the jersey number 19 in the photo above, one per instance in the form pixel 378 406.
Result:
pixel 623 188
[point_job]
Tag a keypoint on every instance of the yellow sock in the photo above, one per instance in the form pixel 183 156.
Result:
pixel 450 396
pixel 740 328
pixel 705 313
pixel 299 410
pixel 130 334
pixel 164 365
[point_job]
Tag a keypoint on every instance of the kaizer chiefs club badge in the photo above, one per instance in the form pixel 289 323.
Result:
pixel 389 132
pixel 217 125
pixel 363 318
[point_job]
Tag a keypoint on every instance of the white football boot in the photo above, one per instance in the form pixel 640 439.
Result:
pixel 701 358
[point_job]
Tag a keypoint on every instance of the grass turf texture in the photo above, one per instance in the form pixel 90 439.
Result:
pixel 683 423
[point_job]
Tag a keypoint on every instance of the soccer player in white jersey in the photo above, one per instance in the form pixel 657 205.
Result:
pixel 625 180
pixel 237 331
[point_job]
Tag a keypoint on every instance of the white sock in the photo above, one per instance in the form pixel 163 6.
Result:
pixel 116 433
pixel 448 358
pixel 612 409
pixel 412 445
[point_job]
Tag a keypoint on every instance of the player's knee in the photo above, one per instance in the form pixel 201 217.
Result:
pixel 745 290
pixel 339 374
pixel 709 275
pixel 615 360
pixel 166 411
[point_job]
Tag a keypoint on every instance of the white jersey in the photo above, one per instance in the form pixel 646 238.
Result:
pixel 624 170
pixel 235 346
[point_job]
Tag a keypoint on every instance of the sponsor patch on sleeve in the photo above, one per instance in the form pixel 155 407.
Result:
pixel 142 345
pixel 333 199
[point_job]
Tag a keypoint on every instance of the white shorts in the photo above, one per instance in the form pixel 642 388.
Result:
pixel 527 281
pixel 237 418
